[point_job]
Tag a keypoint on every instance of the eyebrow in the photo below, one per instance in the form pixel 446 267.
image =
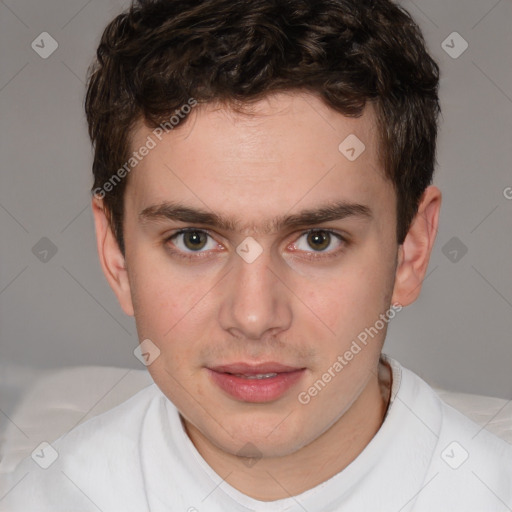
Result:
pixel 337 210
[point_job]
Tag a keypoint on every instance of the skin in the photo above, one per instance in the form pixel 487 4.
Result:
pixel 282 307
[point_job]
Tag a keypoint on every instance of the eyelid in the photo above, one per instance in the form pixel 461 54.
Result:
pixel 188 230
pixel 315 255
pixel 319 255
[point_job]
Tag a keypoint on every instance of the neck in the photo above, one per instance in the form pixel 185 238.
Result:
pixel 281 477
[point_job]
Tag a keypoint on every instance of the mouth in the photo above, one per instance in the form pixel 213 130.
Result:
pixel 263 382
pixel 256 376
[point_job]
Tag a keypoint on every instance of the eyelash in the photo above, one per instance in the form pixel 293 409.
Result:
pixel 319 255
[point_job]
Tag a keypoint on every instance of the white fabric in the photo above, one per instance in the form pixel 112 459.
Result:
pixel 41 405
pixel 137 457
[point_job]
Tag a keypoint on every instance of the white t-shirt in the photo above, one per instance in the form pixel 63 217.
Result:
pixel 137 457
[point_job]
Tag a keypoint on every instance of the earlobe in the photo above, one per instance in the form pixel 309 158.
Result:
pixel 414 253
pixel 111 259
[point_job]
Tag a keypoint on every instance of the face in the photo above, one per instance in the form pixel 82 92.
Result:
pixel 258 278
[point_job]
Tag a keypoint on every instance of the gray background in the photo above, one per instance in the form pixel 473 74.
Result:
pixel 61 312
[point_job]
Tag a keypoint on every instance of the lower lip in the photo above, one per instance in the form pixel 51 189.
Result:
pixel 256 390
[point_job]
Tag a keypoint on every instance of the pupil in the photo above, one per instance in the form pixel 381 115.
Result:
pixel 319 238
pixel 194 239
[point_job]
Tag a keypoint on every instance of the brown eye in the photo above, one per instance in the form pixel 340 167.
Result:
pixel 320 243
pixel 194 240
pixel 319 240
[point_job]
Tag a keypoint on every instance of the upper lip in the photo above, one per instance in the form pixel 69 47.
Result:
pixel 254 369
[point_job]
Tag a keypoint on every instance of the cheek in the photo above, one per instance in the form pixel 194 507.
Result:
pixel 165 315
pixel 350 301
pixel 352 293
pixel 172 309
pixel 160 300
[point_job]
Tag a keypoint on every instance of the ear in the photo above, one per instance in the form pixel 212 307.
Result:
pixel 111 259
pixel 414 253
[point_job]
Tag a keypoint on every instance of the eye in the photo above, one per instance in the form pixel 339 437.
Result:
pixel 193 243
pixel 319 240
pixel 192 240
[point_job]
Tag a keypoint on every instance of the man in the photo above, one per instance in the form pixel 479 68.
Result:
pixel 264 207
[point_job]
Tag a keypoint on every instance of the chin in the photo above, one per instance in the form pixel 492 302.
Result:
pixel 268 436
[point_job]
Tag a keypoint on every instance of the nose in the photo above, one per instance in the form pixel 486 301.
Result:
pixel 256 303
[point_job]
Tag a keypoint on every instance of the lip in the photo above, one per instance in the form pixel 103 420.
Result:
pixel 254 369
pixel 255 390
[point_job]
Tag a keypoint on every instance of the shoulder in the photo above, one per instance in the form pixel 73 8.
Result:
pixel 472 460
pixel 470 468
pixel 87 463
pixel 111 433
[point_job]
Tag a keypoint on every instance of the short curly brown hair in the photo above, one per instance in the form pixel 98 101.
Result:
pixel 158 54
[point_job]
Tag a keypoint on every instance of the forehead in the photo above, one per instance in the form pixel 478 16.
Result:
pixel 288 150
